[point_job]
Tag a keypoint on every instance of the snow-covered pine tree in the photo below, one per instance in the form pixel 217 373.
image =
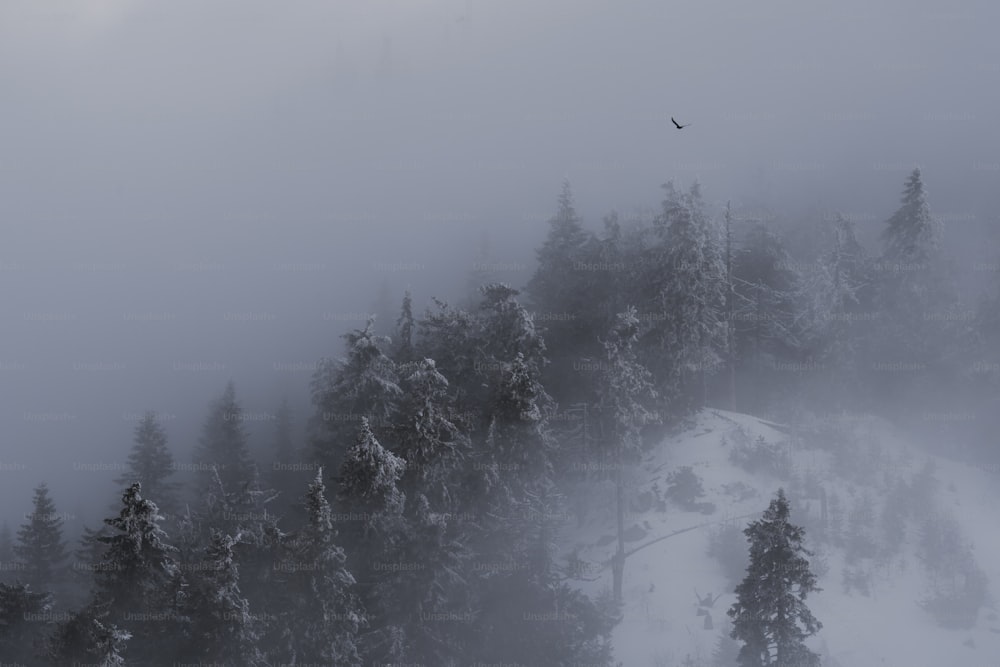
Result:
pixel 137 580
pixel 692 298
pixel 626 388
pixel 319 609
pixel 364 385
pixel 368 489
pixel 220 625
pixel 770 616
pixel 430 443
pixel 84 639
pixel 151 464
pixel 248 511
pixel 449 336
pixel 109 644
pixel 514 403
pixel 22 623
pixel 368 484
pixel 40 548
pixel 223 443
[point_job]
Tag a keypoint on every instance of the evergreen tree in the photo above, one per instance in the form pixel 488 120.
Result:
pixel 223 442
pixel 222 628
pixel 770 616
pixel 323 614
pixel 137 580
pixel 8 564
pixel 917 298
pixel 40 547
pixel 109 644
pixel 368 483
pixel 691 298
pixel 557 292
pixel 368 489
pixel 84 639
pixel 405 327
pixel 909 235
pixel 627 384
pixel 363 386
pixel 247 512
pixel 430 443
pixel 22 628
pixel 151 463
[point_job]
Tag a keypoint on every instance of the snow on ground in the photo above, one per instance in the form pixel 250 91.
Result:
pixel 660 627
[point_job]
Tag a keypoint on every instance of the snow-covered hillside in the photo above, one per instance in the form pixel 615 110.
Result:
pixel 883 625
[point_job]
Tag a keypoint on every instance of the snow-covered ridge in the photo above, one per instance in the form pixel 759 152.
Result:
pixel 665 624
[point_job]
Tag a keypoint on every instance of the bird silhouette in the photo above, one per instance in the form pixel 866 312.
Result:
pixel 678 125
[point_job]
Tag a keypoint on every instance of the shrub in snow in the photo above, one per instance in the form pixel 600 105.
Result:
pixel 684 487
pixel 762 456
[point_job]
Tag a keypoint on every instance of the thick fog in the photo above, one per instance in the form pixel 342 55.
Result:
pixel 198 192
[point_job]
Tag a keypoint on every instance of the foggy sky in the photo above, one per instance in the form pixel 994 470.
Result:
pixel 194 192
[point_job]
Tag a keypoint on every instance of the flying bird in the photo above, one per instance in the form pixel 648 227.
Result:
pixel 678 125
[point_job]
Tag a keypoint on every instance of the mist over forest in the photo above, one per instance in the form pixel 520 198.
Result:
pixel 396 311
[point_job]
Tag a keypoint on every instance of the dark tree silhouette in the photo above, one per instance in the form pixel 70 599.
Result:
pixel 770 616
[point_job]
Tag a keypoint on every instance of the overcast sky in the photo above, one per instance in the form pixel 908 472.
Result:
pixel 197 191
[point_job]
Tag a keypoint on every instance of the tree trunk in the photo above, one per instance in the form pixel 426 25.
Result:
pixel 618 567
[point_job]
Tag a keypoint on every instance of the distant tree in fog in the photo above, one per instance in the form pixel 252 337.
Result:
pixel 40 548
pixel 7 563
pixel 405 330
pixel 558 293
pixel 223 442
pixel 151 463
pixel 916 294
pixel 909 235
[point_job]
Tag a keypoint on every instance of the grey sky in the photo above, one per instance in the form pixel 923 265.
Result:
pixel 226 182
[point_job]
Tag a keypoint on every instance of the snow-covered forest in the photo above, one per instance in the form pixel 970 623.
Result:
pixel 280 410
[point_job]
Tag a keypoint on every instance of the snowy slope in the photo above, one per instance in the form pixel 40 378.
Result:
pixel 660 626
